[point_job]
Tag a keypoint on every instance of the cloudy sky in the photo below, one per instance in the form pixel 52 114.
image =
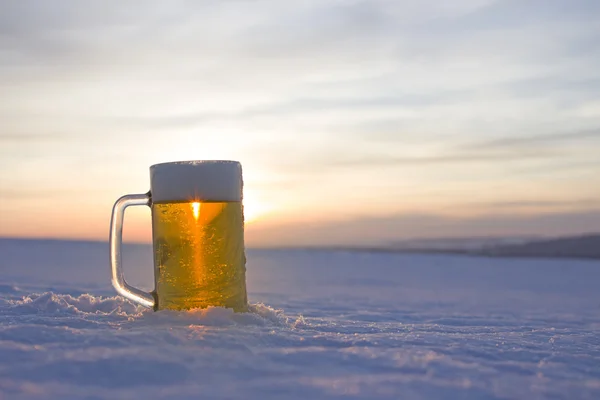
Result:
pixel 355 121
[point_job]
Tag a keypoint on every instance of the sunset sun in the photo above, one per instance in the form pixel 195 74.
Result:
pixel 253 209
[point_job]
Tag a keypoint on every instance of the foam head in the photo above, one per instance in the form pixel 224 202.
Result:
pixel 196 181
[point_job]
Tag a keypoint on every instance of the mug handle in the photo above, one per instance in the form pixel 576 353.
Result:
pixel 115 240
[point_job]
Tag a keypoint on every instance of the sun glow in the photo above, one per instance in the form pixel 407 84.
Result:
pixel 253 209
pixel 196 210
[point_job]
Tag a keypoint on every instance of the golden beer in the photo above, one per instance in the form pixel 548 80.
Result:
pixel 199 256
pixel 198 237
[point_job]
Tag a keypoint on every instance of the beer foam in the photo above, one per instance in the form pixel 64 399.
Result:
pixel 196 181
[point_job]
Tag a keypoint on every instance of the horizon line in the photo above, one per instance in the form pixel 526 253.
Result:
pixel 383 246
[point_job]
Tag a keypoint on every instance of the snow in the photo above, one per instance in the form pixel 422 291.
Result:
pixel 324 325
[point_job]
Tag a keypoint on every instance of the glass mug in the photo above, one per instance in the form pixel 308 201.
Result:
pixel 197 237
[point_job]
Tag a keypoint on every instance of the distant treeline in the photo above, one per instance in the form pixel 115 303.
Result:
pixel 576 247
pixel 585 246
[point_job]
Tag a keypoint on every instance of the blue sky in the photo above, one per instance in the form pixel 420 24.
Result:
pixel 355 121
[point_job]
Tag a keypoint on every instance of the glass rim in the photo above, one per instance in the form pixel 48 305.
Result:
pixel 194 162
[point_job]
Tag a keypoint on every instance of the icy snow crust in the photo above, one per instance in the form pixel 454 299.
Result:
pixel 323 325
pixel 196 180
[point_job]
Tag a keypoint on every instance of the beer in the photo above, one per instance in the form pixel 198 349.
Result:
pixel 198 237
pixel 199 255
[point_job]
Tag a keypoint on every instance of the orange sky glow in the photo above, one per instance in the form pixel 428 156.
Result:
pixel 354 126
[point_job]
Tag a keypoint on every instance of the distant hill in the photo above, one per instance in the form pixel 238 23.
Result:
pixel 587 246
pixel 584 246
pixel 458 244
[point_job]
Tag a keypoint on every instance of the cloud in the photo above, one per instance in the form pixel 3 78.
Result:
pixel 504 14
pixel 33 194
pixel 551 139
pixel 452 158
pixel 31 137
pixel 541 204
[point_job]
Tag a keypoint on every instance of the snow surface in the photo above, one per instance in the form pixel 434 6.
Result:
pixel 324 325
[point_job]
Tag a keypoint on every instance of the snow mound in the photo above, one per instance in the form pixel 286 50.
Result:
pixel 258 315
pixel 50 303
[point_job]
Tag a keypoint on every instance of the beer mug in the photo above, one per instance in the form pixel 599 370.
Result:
pixel 197 237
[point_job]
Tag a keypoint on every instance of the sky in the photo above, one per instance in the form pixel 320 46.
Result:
pixel 356 122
